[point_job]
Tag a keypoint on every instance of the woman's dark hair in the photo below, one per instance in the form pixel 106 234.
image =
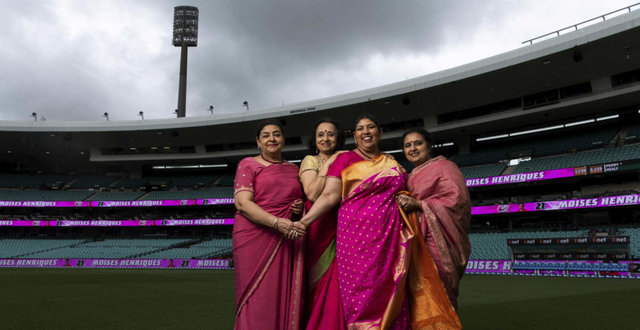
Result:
pixel 369 116
pixel 425 135
pixel 312 141
pixel 268 122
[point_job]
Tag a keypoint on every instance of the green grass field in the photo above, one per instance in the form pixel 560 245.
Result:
pixel 175 299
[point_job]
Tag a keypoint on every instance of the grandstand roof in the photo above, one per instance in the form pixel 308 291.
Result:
pixel 454 104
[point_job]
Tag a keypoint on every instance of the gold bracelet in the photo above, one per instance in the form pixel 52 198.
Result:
pixel 275 223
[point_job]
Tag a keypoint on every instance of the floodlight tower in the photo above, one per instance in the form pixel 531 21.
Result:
pixel 185 35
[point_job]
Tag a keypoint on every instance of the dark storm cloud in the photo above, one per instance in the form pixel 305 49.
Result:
pixel 253 50
pixel 75 60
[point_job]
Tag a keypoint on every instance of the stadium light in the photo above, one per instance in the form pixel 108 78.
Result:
pixel 607 117
pixel 141 114
pixel 35 116
pixel 440 145
pixel 173 167
pixel 582 122
pixel 492 137
pixel 106 115
pixel 246 104
pixel 185 35
pixel 536 130
pixel 211 109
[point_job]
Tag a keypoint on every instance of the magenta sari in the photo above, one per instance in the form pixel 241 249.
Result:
pixel 440 188
pixel 371 248
pixel 268 267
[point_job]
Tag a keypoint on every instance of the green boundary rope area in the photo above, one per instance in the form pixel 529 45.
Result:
pixel 176 299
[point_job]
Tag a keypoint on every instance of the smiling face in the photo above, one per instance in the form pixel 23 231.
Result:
pixel 270 141
pixel 326 138
pixel 367 135
pixel 416 148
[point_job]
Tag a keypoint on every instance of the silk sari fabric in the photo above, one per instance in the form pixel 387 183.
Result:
pixel 372 247
pixel 388 279
pixel 440 188
pixel 323 308
pixel 268 267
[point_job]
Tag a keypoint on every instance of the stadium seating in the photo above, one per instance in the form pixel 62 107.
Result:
pixel 31 181
pixel 483 171
pixel 116 196
pixel 591 157
pixel 92 182
pixel 494 245
pixel 218 192
pixel 112 248
pixel 14 248
pixel 538 147
pixel 206 249
pixel 183 181
pixel 634 236
pixel 44 195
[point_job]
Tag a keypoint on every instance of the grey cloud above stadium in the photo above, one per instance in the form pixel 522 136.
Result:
pixel 77 60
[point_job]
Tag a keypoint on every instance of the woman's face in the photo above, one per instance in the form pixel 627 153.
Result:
pixel 416 148
pixel 367 135
pixel 271 140
pixel 326 138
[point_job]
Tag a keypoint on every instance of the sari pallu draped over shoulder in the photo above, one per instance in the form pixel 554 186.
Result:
pixel 268 267
pixel 387 279
pixel 440 188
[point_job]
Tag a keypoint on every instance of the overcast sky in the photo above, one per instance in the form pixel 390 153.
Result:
pixel 75 60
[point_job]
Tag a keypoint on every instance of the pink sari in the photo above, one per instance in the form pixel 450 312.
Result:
pixel 444 199
pixel 371 248
pixel 323 309
pixel 268 267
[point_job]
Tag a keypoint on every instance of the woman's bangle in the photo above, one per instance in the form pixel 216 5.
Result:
pixel 275 223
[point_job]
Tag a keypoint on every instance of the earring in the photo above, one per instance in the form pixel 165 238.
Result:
pixel 317 151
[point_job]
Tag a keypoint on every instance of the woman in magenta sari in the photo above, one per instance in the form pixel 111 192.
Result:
pixel 441 198
pixel 373 242
pixel 268 262
pixel 323 309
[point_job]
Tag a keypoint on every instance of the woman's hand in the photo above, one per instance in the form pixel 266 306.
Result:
pixel 408 203
pixel 290 229
pixel 297 207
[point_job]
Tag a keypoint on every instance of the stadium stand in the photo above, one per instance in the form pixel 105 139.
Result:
pixel 44 195
pixel 116 196
pixel 219 192
pixel 14 248
pixel 482 171
pixel 92 182
pixel 606 155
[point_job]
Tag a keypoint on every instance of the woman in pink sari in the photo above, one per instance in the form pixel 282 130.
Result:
pixel 323 309
pixel 268 262
pixel 441 198
pixel 373 243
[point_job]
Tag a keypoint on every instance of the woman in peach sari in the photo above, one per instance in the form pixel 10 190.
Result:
pixel 441 198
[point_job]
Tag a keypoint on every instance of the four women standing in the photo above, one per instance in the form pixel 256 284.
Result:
pixel 368 263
